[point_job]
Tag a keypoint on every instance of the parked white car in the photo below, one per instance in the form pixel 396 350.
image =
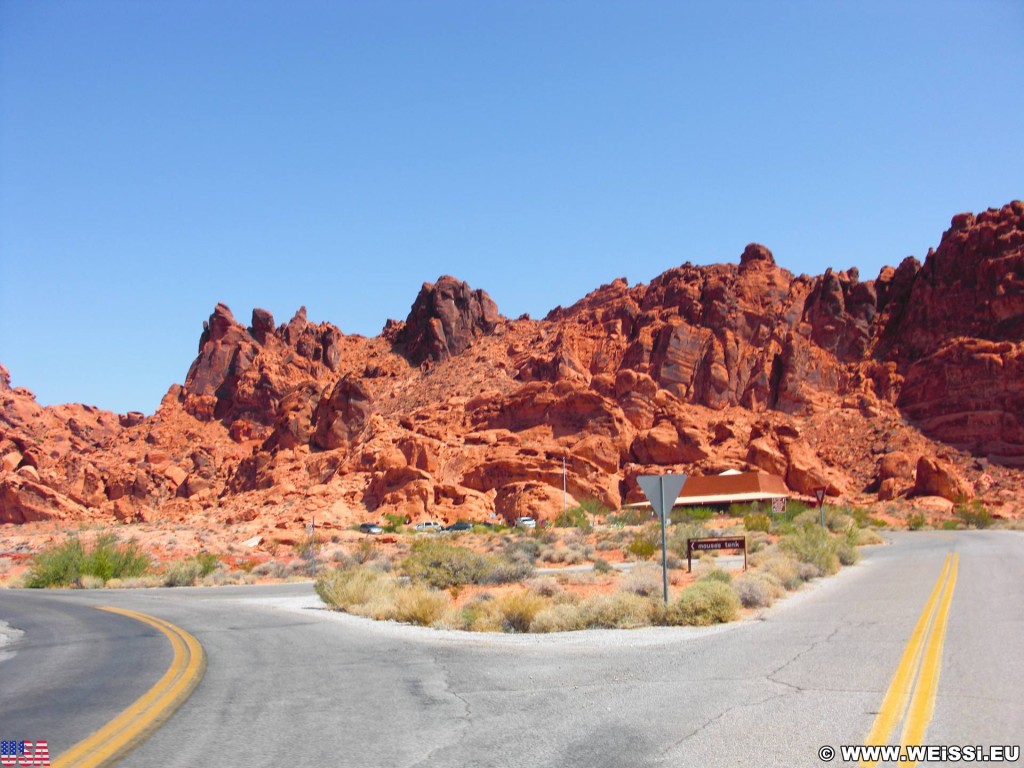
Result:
pixel 428 525
pixel 526 522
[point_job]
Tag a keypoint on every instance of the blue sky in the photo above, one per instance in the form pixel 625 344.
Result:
pixel 158 157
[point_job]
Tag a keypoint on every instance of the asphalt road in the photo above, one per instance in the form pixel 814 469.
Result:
pixel 288 683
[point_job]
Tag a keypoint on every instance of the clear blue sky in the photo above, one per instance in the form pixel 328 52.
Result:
pixel 158 157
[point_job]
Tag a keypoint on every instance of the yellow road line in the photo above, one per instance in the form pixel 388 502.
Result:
pixel 149 711
pixel 895 702
pixel 922 706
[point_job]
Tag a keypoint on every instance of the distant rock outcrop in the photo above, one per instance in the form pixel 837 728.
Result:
pixel 908 385
pixel 444 320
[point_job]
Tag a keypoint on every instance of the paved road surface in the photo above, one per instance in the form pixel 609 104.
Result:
pixel 288 683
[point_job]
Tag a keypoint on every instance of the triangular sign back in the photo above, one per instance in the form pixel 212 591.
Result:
pixel 652 486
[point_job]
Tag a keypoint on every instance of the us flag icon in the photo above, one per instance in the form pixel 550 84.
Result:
pixel 24 753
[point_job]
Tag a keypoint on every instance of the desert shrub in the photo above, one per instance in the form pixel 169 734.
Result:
pixel 479 614
pixel 88 581
pixel 351 588
pixel 756 590
pixel 846 547
pixel 623 610
pixel 812 545
pixel 705 603
pixel 518 609
pixel 182 573
pixel 364 552
pixel 867 536
pixel 783 569
pixel 683 515
pixel 271 568
pixel 64 564
pixel 576 517
pixel 503 570
pixel 602 566
pixel 521 548
pixel 974 514
pixel 680 535
pixel 419 604
pixel 756 542
pixel 558 617
pixel 443 565
pixel 916 521
pixel 717 574
pixel 59 565
pixel 951 525
pixel 108 559
pixel 631 516
pixel 645 580
pixel 570 555
pixel 757 521
pixel 643 546
pixel 545 586
pixel 135 582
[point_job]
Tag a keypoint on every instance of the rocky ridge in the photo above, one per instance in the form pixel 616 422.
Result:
pixel 907 385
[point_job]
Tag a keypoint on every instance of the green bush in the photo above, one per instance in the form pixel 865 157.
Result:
pixel 602 566
pixel 681 515
pixel 974 515
pixel 812 545
pixel 680 536
pixel 632 516
pixel 443 565
pixel 916 521
pixel 576 517
pixel 705 603
pixel 757 521
pixel 643 546
pixel 65 564
pixel 717 574
pixel 393 523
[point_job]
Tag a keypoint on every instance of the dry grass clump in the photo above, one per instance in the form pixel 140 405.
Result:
pixel 757 589
pixel 622 610
pixel 559 617
pixel 419 604
pixel 868 536
pixel 517 610
pixel 645 579
pixel 705 603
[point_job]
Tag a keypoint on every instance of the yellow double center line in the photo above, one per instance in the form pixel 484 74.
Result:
pixel 150 710
pixel 911 694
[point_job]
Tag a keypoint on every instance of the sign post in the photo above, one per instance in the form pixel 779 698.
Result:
pixel 662 491
pixel 819 494
pixel 706 545
pixel 311 532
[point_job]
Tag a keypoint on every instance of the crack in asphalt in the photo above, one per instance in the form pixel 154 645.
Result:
pixel 771 676
pixel 465 718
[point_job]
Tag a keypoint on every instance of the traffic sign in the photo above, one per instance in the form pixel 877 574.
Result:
pixel 662 491
pixel 819 494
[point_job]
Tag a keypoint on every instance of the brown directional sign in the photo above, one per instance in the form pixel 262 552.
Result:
pixel 706 545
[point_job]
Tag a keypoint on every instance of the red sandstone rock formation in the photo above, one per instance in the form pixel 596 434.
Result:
pixel 905 385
